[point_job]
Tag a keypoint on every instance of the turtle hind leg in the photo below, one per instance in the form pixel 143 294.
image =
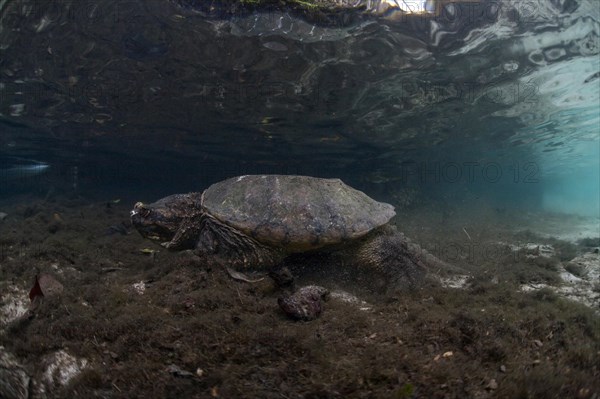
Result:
pixel 394 256
pixel 223 244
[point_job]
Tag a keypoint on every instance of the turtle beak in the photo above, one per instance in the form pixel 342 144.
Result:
pixel 138 216
pixel 136 209
pixel 139 209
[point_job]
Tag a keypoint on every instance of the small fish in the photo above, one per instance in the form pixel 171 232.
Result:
pixel 242 277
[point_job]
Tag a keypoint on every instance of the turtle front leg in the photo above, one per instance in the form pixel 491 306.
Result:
pixel 224 245
pixel 186 236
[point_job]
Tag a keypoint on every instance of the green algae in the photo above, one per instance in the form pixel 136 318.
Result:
pixel 199 319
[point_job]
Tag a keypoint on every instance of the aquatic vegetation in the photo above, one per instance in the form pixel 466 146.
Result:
pixel 589 242
pixel 194 316
pixel 406 391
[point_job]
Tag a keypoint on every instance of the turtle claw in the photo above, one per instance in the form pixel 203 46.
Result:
pixel 283 278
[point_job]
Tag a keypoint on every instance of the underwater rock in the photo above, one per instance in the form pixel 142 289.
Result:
pixel 13 304
pixel 304 304
pixel 60 368
pixel 14 381
pixel 3 216
pixel 492 385
pixel 139 288
pixel 45 285
pixel 582 287
pixel 458 281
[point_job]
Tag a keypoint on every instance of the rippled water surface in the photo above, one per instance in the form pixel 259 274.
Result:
pixel 470 95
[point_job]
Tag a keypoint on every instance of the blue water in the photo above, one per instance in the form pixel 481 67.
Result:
pixel 488 102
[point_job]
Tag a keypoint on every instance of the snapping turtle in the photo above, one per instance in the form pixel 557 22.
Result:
pixel 259 220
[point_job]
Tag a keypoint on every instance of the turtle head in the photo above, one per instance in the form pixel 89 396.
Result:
pixel 160 220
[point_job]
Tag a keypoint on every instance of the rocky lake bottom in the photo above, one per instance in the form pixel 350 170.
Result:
pixel 120 317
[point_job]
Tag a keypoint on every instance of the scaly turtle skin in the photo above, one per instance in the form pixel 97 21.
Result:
pixel 258 220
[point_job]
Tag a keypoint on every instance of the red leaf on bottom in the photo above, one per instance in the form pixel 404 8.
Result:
pixel 36 290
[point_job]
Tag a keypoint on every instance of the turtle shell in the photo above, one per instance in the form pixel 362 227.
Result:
pixel 295 212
